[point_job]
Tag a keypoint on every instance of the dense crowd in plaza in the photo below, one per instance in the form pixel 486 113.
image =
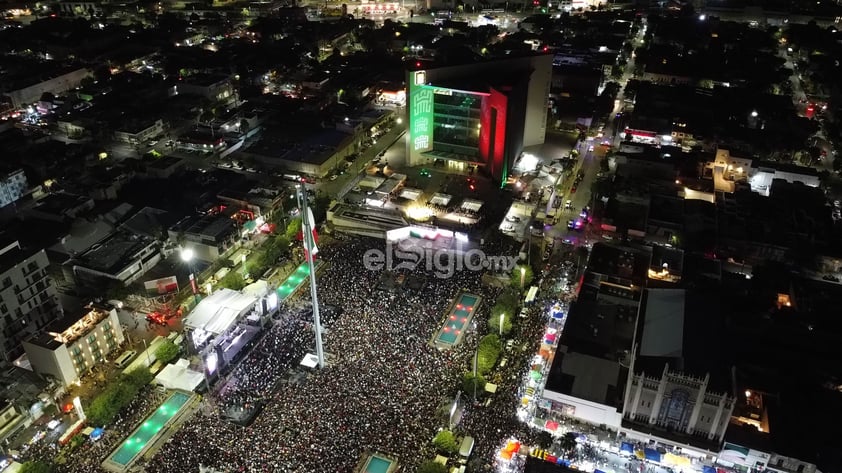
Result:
pixel 385 388
pixel 89 456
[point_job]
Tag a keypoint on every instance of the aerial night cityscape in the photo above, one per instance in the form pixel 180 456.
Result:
pixel 421 236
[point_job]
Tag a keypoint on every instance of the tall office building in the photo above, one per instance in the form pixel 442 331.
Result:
pixel 480 114
pixel 28 297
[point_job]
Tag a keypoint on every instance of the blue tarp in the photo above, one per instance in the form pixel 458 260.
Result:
pixel 708 469
pixel 652 454
pixel 627 447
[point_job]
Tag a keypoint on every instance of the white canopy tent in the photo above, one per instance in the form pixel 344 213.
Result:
pixel 471 205
pixel 217 312
pixel 179 377
pixel 410 193
pixel 440 199
pixel 257 289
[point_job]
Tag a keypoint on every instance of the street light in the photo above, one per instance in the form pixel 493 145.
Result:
pixel 187 256
pixel 146 350
pixel 754 114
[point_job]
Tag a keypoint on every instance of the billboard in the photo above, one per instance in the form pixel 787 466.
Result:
pixel 160 287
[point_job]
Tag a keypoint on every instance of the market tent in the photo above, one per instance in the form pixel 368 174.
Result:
pixel 626 447
pixel 676 460
pixel 440 199
pixel 651 454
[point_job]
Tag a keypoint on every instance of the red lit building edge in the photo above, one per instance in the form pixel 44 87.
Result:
pixel 493 127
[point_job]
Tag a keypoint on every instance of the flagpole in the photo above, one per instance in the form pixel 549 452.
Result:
pixel 309 245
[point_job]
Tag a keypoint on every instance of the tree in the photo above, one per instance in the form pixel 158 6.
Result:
pixel 37 466
pixel 509 299
pixel 167 352
pixel 488 352
pixel 522 276
pixel 544 439
pixel 105 407
pixel 494 321
pixel 431 466
pixel 469 381
pixel 293 228
pixel 320 205
pixel 233 280
pixel 445 442
pixel 137 377
pixel 568 442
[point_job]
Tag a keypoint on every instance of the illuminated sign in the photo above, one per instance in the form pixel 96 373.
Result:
pixel 443 92
pixel 420 77
pixel 421 118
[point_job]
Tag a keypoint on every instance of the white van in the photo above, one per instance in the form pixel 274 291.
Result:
pixel 125 359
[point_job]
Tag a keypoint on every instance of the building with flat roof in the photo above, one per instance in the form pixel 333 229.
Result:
pixel 208 236
pixel 28 297
pixel 479 114
pixel 71 347
pixel 364 220
pixel 589 372
pixel 137 132
pixel 121 257
pixel 315 154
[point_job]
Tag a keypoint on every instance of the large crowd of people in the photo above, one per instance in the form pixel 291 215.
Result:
pixel 383 388
pixel 90 455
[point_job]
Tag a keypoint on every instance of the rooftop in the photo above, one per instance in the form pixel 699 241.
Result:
pixel 12 254
pixel 677 326
pixel 213 226
pixel 114 253
pixel 69 329
pixel 619 265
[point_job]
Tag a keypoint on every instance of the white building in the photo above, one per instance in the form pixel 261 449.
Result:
pixel 12 421
pixel 28 297
pixel 139 132
pixel 70 348
pixel 727 170
pixel 61 82
pixel 12 187
pixel 678 402
pixel 659 398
